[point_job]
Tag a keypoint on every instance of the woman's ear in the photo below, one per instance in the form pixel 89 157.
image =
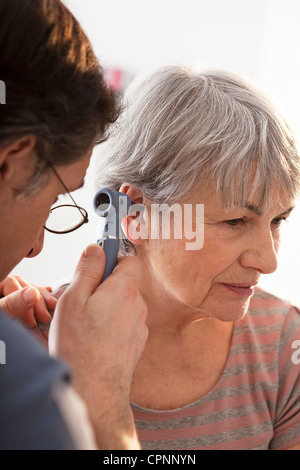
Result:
pixel 134 194
pixel 135 224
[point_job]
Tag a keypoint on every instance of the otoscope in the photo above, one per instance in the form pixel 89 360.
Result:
pixel 111 206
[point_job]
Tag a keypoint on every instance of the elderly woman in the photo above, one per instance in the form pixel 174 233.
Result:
pixel 217 371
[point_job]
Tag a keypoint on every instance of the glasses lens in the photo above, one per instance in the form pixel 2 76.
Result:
pixel 66 218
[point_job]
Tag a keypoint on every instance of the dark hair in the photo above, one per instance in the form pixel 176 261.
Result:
pixel 54 84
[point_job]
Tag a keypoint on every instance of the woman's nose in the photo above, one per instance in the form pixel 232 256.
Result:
pixel 262 254
pixel 38 246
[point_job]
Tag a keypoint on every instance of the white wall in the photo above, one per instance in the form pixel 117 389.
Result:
pixel 259 39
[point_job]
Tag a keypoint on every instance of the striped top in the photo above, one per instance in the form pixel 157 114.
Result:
pixel 255 404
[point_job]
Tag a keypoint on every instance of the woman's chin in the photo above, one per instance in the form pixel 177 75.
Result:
pixel 226 311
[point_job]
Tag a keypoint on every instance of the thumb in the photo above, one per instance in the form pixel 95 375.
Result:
pixel 20 301
pixel 89 272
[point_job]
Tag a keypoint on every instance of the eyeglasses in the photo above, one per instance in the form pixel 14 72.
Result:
pixel 65 218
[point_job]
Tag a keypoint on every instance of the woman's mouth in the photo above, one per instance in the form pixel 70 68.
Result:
pixel 240 289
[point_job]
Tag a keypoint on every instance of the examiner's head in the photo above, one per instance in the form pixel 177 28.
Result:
pixel 54 84
pixel 57 108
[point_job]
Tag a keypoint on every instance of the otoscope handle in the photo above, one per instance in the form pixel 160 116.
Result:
pixel 111 249
pixel 111 206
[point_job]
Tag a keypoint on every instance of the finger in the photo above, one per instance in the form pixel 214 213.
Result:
pixel 41 311
pixel 48 288
pixel 16 282
pixel 88 273
pixel 45 303
pixel 10 285
pixel 20 304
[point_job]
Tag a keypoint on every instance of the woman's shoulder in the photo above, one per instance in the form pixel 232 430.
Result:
pixel 267 313
pixel 265 303
pixel 275 332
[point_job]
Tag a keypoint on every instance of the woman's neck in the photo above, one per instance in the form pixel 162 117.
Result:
pixel 184 346
pixel 166 314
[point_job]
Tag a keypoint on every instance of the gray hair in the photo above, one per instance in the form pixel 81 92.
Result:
pixel 182 131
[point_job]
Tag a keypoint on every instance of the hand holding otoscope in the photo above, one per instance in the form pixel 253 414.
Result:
pixel 87 309
pixel 111 206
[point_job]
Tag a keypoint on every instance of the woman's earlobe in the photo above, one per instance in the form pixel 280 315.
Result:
pixel 135 224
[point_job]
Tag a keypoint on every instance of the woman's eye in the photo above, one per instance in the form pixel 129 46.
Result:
pixel 241 221
pixel 278 220
pixel 235 222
